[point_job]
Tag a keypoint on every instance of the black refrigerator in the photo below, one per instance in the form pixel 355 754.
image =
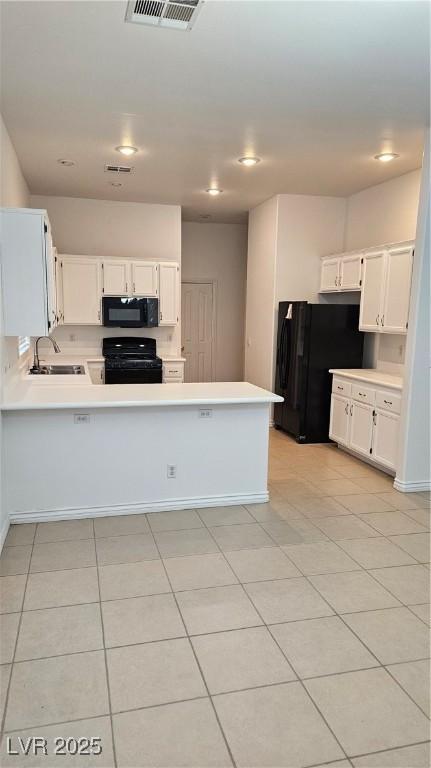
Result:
pixel 311 339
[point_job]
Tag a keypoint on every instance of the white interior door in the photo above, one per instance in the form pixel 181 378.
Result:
pixel 372 291
pixel 196 324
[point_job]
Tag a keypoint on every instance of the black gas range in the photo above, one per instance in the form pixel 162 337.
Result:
pixel 131 360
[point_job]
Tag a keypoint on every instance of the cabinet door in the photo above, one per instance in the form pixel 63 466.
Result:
pixel 399 263
pixel 340 419
pixel 329 275
pixel 115 278
pixel 372 291
pixel 144 278
pixel 169 293
pixel 81 291
pixel 385 440
pixel 50 263
pixel 361 427
pixel 350 273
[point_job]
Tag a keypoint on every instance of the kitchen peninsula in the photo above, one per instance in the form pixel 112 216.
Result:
pixel 82 450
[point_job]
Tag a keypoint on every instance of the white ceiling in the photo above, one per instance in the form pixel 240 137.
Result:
pixel 314 88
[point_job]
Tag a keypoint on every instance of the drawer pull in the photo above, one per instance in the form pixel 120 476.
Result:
pixel 362 394
pixel 338 387
pixel 388 402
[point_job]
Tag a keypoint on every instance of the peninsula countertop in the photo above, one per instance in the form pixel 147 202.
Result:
pixel 29 396
pixel 371 376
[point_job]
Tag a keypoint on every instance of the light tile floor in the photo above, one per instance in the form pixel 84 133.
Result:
pixel 283 635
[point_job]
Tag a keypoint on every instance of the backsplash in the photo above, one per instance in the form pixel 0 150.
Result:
pixel 74 338
pixel 391 352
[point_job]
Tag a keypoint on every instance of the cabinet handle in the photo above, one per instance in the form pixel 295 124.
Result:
pixel 351 409
pixel 134 289
pixel 377 320
pixel 335 281
pixel 98 315
pixel 382 321
pixel 127 288
pixel 388 402
pixel 347 409
pixel 161 316
pixel 374 418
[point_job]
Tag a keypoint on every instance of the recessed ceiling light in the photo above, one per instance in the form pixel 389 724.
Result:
pixel 68 163
pixel 214 191
pixel 126 150
pixel 115 183
pixel 249 160
pixel 385 157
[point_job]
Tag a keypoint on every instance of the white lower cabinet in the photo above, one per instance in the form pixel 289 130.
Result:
pixel 369 430
pixel 340 419
pixel 385 441
pixel 361 427
pixel 173 371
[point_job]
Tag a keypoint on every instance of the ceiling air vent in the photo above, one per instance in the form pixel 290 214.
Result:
pixel 175 14
pixel 118 168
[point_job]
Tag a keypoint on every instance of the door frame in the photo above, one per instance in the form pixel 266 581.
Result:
pixel 206 281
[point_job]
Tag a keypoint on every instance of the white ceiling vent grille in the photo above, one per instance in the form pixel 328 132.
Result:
pixel 118 168
pixel 175 14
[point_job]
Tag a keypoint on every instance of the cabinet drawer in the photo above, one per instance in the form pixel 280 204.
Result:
pixel 173 370
pixel 363 394
pixel 341 387
pixel 389 401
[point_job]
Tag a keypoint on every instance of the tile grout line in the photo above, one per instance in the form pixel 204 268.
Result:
pixel 108 686
pixel 229 751
pixel 6 702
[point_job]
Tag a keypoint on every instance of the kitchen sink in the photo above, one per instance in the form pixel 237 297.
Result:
pixel 58 370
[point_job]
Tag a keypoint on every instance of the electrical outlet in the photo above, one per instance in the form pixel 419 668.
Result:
pixel 205 413
pixel 81 418
pixel 171 471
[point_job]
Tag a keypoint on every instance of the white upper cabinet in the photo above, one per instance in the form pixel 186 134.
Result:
pixel 350 273
pixel 169 273
pixel 341 273
pixel 28 273
pixel 386 283
pixel 372 291
pixel 116 277
pixel 396 300
pixel 82 290
pixel 329 275
pixel 145 278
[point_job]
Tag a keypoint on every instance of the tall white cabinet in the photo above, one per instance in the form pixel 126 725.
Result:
pixel 28 273
pixel 385 296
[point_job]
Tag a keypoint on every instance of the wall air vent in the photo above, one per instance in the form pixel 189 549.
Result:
pixel 174 14
pixel 118 168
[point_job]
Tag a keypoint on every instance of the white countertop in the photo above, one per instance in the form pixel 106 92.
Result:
pixel 27 396
pixel 371 376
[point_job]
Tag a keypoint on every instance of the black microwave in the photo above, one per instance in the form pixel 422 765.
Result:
pixel 127 312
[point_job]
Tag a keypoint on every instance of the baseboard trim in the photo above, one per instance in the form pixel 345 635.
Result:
pixel 3 532
pixel 412 487
pixel 75 513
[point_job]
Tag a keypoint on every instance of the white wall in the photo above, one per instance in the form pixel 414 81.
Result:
pixel 386 213
pixel 82 226
pixel 13 194
pixel 218 252
pixel 414 449
pixel 260 295
pixel 287 236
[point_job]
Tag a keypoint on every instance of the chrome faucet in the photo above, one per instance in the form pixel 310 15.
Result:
pixel 36 361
